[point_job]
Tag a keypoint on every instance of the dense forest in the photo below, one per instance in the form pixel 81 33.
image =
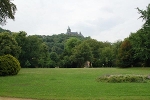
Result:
pixel 67 51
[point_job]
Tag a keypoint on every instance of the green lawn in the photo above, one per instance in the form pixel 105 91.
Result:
pixel 72 84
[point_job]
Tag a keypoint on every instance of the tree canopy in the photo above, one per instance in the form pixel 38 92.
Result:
pixel 7 10
pixel 145 15
pixel 8 45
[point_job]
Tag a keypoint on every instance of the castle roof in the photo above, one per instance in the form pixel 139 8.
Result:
pixel 73 33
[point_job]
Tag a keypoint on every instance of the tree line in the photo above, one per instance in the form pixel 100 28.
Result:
pixel 65 51
pixel 62 50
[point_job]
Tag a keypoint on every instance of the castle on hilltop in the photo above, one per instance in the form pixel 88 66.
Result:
pixel 73 33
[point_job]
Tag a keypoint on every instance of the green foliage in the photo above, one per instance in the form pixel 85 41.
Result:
pixel 54 56
pixel 115 49
pixel 124 79
pixel 7 10
pixel 56 43
pixel 44 57
pixel 71 44
pixel 54 59
pixel 140 41
pixel 68 62
pixel 32 49
pixel 9 45
pixel 141 48
pixel 145 15
pixel 27 64
pixel 95 47
pixel 107 57
pixel 68 54
pixel 9 65
pixel 4 30
pixel 21 38
pixel 82 53
pixel 125 54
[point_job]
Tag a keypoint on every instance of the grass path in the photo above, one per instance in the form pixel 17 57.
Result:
pixel 73 84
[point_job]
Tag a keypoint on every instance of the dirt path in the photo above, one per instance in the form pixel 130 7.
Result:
pixel 8 98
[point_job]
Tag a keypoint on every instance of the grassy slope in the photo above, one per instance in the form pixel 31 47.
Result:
pixel 73 84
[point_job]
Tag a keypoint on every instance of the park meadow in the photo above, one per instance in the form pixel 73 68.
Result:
pixel 73 84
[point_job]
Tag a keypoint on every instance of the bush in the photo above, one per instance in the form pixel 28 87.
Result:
pixel 9 65
pixel 124 78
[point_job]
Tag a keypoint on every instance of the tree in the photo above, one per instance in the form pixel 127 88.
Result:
pixel 54 60
pixel 81 54
pixel 7 10
pixel 67 62
pixel 145 15
pixel 44 57
pixel 140 40
pixel 4 30
pixel 27 64
pixel 125 54
pixel 106 58
pixel 32 50
pixel 95 48
pixel 71 44
pixel 21 38
pixel 9 45
pixel 115 48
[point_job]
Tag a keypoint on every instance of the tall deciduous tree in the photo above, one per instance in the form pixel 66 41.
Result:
pixel 54 59
pixel 44 59
pixel 71 44
pixel 107 57
pixel 7 10
pixel 8 45
pixel 145 15
pixel 69 47
pixel 21 39
pixel 116 47
pixel 95 46
pixel 140 40
pixel 33 50
pixel 82 53
pixel 125 54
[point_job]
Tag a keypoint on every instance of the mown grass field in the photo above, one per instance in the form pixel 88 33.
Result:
pixel 73 84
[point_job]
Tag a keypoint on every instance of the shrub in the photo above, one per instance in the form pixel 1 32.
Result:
pixel 9 65
pixel 124 78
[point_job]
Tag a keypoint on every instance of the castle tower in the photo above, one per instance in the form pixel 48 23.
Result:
pixel 68 30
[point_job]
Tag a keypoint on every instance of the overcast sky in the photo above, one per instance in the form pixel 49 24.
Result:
pixel 104 20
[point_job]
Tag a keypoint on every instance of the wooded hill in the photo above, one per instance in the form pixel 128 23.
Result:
pixel 67 51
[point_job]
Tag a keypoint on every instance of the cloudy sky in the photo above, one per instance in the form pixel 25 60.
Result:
pixel 104 20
